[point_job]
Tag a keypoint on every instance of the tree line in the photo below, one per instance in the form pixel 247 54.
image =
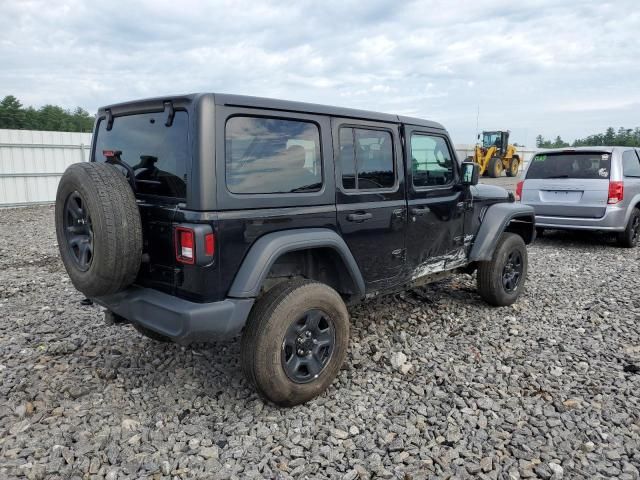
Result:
pixel 624 137
pixel 48 117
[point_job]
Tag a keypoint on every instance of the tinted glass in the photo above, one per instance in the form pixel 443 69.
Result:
pixel 630 164
pixel 490 139
pixel 347 158
pixel 374 158
pixel 570 165
pixel 269 155
pixel 158 154
pixel 431 162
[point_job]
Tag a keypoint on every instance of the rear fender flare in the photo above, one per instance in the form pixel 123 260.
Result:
pixel 267 249
pixel 495 221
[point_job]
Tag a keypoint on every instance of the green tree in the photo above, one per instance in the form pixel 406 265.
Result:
pixel 624 137
pixel 609 136
pixel 48 117
pixel 11 113
pixel 559 143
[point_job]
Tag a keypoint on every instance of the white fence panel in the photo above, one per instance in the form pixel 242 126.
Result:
pixel 32 162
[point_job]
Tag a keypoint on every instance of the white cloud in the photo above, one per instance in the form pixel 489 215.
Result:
pixel 565 67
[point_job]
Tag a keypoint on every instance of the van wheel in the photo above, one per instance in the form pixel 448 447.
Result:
pixel 514 166
pixel 295 341
pixel 495 167
pixel 501 280
pixel 629 238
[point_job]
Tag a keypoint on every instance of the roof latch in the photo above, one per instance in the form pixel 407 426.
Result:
pixel 109 119
pixel 169 113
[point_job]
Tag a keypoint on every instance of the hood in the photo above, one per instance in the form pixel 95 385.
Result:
pixel 489 192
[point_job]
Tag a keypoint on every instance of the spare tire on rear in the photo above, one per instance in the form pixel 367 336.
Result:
pixel 98 228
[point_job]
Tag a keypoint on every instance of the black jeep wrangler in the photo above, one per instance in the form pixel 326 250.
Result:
pixel 204 216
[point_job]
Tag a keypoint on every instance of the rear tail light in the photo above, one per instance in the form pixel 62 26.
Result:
pixel 519 190
pixel 616 192
pixel 185 246
pixel 209 244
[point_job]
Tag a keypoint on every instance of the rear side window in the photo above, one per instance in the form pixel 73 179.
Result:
pixel 431 162
pixel 158 154
pixel 630 164
pixel 272 155
pixel 594 165
pixel 366 159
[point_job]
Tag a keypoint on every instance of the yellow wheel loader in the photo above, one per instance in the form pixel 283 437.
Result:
pixel 495 155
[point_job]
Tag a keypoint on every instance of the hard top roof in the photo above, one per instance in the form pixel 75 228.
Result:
pixel 275 104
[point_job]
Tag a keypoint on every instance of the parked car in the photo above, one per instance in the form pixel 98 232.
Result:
pixel 585 188
pixel 204 216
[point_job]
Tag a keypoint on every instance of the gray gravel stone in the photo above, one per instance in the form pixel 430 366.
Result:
pixel 79 399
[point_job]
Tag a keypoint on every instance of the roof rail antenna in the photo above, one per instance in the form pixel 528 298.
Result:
pixel 169 113
pixel 109 119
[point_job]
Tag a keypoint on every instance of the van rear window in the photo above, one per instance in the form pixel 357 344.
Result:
pixel 158 154
pixel 595 165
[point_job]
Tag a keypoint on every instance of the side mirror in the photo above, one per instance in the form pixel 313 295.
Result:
pixel 470 173
pixel 478 136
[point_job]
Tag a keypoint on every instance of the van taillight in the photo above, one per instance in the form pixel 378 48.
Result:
pixel 616 192
pixel 519 190
pixel 185 246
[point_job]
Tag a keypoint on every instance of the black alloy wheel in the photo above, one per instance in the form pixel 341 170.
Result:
pixel 512 271
pixel 78 232
pixel 307 346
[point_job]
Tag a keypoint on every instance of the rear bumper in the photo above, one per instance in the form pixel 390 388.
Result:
pixel 614 220
pixel 181 320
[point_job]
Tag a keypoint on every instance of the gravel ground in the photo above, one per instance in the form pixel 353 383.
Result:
pixel 436 385
pixel 505 182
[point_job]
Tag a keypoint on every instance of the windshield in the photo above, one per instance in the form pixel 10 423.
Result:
pixel 490 139
pixel 159 155
pixel 570 165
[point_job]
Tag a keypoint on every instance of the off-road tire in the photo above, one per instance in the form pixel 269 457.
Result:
pixel 490 273
pixel 115 224
pixel 263 337
pixel 514 166
pixel 495 167
pixel 631 235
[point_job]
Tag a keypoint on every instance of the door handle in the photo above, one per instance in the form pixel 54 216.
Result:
pixel 359 217
pixel 419 211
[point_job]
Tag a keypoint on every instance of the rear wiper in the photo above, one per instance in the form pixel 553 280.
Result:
pixel 558 176
pixel 113 157
pixel 311 186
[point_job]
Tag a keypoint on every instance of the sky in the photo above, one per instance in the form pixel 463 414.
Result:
pixel 568 68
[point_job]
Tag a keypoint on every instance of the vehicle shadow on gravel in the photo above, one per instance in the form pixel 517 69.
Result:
pixel 213 370
pixel 576 238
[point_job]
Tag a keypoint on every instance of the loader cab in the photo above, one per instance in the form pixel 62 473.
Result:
pixel 498 139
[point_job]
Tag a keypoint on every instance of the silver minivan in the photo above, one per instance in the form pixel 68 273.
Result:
pixel 585 188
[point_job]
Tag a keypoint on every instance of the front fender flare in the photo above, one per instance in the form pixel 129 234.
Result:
pixel 495 221
pixel 266 250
